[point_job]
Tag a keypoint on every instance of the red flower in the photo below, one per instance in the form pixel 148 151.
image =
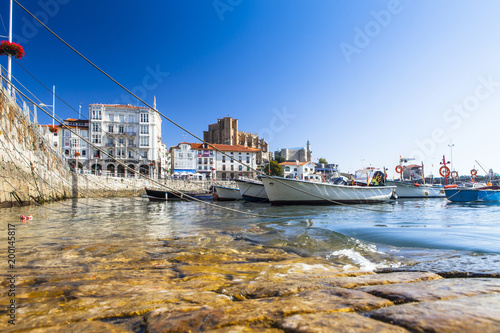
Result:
pixel 12 49
pixel 77 154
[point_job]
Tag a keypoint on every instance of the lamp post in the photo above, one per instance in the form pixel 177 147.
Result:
pixel 53 104
pixel 451 145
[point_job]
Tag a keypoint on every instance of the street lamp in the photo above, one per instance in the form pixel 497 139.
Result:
pixel 451 145
pixel 53 104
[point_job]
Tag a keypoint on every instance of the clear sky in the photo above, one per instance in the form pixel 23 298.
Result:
pixel 364 81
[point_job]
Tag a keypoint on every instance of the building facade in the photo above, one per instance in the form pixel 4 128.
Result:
pixel 226 132
pixel 128 134
pixel 72 142
pixel 302 154
pixel 222 163
pixel 300 170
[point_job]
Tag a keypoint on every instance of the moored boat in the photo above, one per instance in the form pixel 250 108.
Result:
pixel 224 193
pixel 456 193
pixel 410 185
pixel 252 191
pixel 284 191
pixel 161 195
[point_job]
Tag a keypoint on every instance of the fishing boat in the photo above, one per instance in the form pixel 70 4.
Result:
pixel 252 190
pixel 476 193
pixel 224 193
pixel 285 191
pixel 161 195
pixel 409 185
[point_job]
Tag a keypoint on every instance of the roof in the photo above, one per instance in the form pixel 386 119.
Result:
pixel 294 163
pixel 121 106
pixel 236 148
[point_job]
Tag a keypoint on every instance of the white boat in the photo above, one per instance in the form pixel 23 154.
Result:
pixel 409 187
pixel 284 191
pixel 224 193
pixel 416 190
pixel 252 190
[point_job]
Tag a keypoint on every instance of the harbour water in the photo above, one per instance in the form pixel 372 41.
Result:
pixel 427 235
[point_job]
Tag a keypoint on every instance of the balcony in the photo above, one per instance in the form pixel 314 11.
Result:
pixel 110 145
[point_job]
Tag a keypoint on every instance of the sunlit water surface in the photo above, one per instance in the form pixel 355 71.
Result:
pixel 430 234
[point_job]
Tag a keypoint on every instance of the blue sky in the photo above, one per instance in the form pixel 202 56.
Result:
pixel 364 81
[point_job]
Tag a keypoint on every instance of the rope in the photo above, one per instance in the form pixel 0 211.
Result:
pixel 145 103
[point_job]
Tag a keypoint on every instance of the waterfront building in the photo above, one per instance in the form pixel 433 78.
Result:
pixel 129 134
pixel 72 142
pixel 225 131
pixel 328 170
pixel 299 170
pixel 203 160
pixel 301 154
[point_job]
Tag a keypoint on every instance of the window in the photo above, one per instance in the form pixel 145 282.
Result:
pixel 223 167
pixel 144 129
pixel 111 117
pixel 232 167
pixel 110 129
pixel 96 114
pixel 96 127
pixel 131 119
pixel 121 129
pixel 66 152
pixel 121 141
pixel 240 168
pixel 130 154
pixel 74 143
pixel 130 142
pixel 122 118
pixel 111 141
pixel 96 138
pixel 287 169
pixel 248 159
pixel 144 141
pixel 145 154
pixel 97 153
pixel 110 153
pixel 144 118
pixel 223 159
pixel 200 160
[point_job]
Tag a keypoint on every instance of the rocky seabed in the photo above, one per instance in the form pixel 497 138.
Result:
pixel 222 283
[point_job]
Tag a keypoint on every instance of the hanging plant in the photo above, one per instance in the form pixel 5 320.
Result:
pixel 77 154
pixel 11 49
pixel 53 129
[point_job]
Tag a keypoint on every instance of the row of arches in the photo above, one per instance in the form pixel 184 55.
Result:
pixel 113 170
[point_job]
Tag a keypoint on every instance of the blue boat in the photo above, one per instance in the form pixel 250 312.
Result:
pixel 472 194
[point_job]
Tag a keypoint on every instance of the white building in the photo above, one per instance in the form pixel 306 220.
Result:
pixel 300 170
pixel 129 134
pixel 220 163
pixel 72 142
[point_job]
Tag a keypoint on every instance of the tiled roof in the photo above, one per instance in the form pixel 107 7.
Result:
pixel 236 148
pixel 294 163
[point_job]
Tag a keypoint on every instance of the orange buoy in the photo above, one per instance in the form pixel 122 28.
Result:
pixel 444 171
pixel 399 169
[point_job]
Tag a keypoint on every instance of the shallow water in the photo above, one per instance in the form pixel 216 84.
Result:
pixel 428 234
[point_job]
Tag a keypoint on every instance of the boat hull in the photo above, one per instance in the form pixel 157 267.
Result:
pixel 252 191
pixel 159 195
pixel 284 191
pixel 227 193
pixel 457 194
pixel 410 190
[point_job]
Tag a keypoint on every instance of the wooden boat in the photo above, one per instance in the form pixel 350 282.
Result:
pixel 160 195
pixel 252 191
pixel 224 193
pixel 285 191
